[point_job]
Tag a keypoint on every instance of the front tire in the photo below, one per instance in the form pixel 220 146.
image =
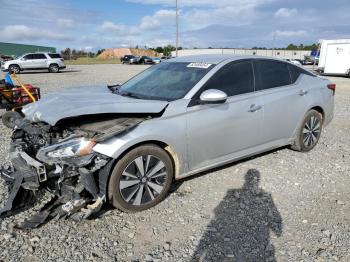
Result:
pixel 14 69
pixel 54 68
pixel 141 178
pixel 309 132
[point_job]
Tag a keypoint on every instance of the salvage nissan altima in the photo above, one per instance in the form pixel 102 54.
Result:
pixel 126 144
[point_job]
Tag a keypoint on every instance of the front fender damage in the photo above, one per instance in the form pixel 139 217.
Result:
pixel 78 188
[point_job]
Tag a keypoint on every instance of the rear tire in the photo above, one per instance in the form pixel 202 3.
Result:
pixel 309 132
pixel 9 118
pixel 14 69
pixel 54 68
pixel 133 186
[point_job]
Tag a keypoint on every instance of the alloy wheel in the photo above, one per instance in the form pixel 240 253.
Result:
pixel 14 69
pixel 143 180
pixel 311 131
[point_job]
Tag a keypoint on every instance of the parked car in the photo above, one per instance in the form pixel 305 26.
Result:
pixel 146 60
pixel 34 61
pixel 295 62
pixel 126 59
pixel 135 60
pixel 309 62
pixel 156 60
pixel 126 145
pixel 166 57
pixel 302 62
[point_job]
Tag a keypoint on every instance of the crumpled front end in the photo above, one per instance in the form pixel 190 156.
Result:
pixel 60 160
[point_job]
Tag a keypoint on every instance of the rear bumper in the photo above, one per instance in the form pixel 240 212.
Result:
pixel 63 67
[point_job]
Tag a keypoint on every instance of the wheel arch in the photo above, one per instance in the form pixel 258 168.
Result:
pixel 313 107
pixel 165 146
pixel 14 64
pixel 54 64
pixel 105 172
pixel 318 109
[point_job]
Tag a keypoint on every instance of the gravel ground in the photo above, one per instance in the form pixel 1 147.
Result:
pixel 282 205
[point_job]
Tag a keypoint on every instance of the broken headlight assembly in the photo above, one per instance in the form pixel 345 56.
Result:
pixel 70 150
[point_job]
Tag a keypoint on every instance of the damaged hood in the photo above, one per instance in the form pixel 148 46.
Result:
pixel 74 102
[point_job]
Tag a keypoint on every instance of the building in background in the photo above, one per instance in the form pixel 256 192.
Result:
pixel 11 49
pixel 283 54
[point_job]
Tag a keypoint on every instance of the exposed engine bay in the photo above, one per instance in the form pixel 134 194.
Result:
pixel 59 159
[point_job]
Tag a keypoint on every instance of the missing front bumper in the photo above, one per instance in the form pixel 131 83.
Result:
pixel 76 192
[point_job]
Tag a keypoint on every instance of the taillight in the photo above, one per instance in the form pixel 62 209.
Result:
pixel 332 87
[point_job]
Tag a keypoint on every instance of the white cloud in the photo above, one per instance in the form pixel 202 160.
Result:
pixel 298 33
pixel 160 18
pixel 202 3
pixel 285 12
pixel 235 16
pixel 66 23
pixel 23 32
pixel 117 29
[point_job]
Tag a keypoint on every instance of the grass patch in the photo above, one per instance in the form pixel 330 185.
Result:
pixel 92 61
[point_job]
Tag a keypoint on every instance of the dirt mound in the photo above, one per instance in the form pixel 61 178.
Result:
pixel 120 52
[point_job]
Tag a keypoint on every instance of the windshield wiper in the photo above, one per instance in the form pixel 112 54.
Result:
pixel 128 94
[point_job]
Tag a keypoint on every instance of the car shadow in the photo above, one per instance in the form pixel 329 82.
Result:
pixel 240 230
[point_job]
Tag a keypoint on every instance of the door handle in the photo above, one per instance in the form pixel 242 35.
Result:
pixel 303 92
pixel 254 108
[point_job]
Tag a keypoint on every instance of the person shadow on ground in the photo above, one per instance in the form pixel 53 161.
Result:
pixel 241 228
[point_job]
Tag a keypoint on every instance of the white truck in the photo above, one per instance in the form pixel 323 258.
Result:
pixel 335 57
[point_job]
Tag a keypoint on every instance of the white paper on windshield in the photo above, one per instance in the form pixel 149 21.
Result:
pixel 200 65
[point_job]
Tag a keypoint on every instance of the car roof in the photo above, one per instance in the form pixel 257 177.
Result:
pixel 216 59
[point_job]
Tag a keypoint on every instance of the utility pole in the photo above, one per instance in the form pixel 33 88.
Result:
pixel 177 29
pixel 273 43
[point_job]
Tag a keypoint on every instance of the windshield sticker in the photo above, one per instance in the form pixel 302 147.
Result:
pixel 200 65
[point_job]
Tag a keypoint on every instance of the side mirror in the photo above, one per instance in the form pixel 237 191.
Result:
pixel 213 96
pixel 23 59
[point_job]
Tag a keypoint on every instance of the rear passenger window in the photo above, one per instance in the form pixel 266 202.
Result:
pixel 272 74
pixel 39 56
pixel 233 79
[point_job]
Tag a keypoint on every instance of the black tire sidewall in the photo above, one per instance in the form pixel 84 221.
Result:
pixel 8 118
pixel 311 113
pixel 18 69
pixel 114 195
pixel 56 70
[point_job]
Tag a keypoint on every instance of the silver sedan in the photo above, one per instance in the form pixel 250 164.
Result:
pixel 128 143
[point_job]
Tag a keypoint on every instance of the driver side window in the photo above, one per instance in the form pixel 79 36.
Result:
pixel 28 57
pixel 235 78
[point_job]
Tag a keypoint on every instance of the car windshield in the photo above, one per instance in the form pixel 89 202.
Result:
pixel 165 81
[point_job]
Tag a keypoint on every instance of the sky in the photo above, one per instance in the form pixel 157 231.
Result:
pixel 92 25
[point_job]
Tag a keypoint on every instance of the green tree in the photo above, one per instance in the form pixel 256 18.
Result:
pixel 292 47
pixel 66 53
pixel 159 49
pixel 100 52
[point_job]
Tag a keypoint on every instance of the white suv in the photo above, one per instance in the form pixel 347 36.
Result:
pixel 51 61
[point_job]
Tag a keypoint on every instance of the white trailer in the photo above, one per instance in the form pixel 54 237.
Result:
pixel 335 57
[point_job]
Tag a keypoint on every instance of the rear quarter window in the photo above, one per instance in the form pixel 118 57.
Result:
pixel 296 71
pixel 55 55
pixel 271 74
